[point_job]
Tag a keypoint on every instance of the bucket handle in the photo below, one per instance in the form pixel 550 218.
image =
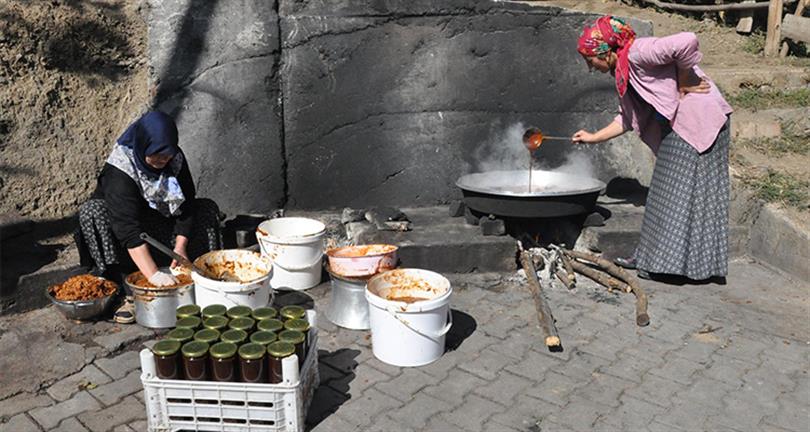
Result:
pixel 288 268
pixel 392 311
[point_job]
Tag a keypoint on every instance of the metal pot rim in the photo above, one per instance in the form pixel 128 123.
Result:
pixel 478 182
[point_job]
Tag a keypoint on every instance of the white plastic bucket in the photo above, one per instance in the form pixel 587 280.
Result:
pixel 295 247
pixel 409 333
pixel 251 267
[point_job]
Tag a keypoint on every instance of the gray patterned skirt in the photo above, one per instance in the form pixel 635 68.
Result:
pixel 685 227
pixel 99 249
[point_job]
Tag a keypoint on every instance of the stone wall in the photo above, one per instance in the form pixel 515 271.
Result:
pixel 344 103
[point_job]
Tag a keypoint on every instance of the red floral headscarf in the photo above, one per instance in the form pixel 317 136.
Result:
pixel 609 34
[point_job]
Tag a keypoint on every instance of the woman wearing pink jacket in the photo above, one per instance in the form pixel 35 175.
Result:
pixel 684 119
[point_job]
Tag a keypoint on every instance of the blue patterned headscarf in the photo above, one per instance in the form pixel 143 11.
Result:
pixel 153 133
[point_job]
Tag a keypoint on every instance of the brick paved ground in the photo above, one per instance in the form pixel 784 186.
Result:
pixel 724 358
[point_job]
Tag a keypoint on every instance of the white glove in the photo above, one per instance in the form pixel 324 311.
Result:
pixel 161 279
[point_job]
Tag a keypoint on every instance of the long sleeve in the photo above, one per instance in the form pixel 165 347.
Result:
pixel 682 50
pixel 125 204
pixel 185 222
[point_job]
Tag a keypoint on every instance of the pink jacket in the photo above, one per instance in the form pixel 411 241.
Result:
pixel 697 118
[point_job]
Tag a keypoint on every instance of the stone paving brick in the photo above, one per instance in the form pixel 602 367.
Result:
pixel 534 365
pixel 492 426
pixel 525 414
pixel 485 311
pixel 486 364
pixel 582 365
pixel 363 410
pixel 71 425
pixel 407 384
pixel 328 373
pixel 455 387
pixel 743 348
pixel 121 335
pixel 23 402
pixel 631 366
pixel 112 392
pixel 742 413
pixel 67 387
pixel 49 417
pixel 517 343
pixel 19 423
pixel 793 415
pixel 343 360
pixel 698 349
pixel 139 426
pixel 129 409
pixel 795 351
pixel 355 383
pixel 655 390
pixel 707 392
pixel 726 369
pixel 419 410
pixel 476 342
pixel 604 389
pixel 555 388
pixel 678 369
pixel 672 332
pixel 439 424
pixel 385 368
pixel 504 388
pixel 334 423
pixel 385 423
pixel 325 401
pixel 118 367
pixel 688 415
pixel 655 426
pixel 472 414
pixel 579 414
pixel 632 414
pixel 123 428
pixel 601 347
pixel 447 362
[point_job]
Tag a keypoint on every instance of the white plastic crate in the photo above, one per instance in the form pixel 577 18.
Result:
pixel 179 405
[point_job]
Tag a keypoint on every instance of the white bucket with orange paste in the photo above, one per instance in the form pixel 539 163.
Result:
pixel 247 279
pixel 409 313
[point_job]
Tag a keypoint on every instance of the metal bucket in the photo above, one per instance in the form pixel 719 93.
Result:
pixel 348 307
pixel 156 308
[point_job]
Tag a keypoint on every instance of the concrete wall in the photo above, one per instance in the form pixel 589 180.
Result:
pixel 384 102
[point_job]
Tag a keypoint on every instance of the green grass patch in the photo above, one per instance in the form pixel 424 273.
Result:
pixel 779 146
pixel 780 188
pixel 755 43
pixel 756 99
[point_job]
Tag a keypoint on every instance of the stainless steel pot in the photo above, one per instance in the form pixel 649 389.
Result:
pixel 156 308
pixel 348 307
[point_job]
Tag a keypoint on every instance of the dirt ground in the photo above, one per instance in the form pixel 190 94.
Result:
pixel 72 76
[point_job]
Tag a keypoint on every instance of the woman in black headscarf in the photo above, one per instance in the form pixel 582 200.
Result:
pixel 145 186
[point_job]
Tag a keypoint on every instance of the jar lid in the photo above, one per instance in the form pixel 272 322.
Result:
pixel 216 322
pixel 263 337
pixel 291 336
pixel 187 311
pixel 271 325
pixel 293 312
pixel 234 336
pixel 242 323
pixel 252 351
pixel 297 324
pixel 191 322
pixel 166 347
pixel 181 334
pixel 280 349
pixel 223 350
pixel 208 336
pixel 264 313
pixel 238 312
pixel 214 310
pixel 195 349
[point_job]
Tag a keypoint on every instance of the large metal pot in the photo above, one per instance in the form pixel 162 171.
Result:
pixel 156 307
pixel 362 260
pixel 553 194
pixel 348 307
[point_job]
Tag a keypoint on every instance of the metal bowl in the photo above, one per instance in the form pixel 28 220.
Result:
pixel 80 310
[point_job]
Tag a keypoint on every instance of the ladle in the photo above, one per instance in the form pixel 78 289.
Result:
pixel 533 138
pixel 177 257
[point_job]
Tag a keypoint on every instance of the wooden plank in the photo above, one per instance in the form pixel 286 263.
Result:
pixel 796 28
pixel 798 12
pixel 774 35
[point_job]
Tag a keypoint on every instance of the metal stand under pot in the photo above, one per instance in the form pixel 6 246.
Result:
pixel 348 307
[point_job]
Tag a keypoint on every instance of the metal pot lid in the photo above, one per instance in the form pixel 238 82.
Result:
pixel 515 183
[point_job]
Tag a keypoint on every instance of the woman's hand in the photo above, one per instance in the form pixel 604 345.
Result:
pixel 689 82
pixel 583 136
pixel 161 279
pixel 180 249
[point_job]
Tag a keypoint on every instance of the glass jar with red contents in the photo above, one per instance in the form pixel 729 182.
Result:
pixel 195 361
pixel 252 365
pixel 276 352
pixel 223 361
pixel 167 359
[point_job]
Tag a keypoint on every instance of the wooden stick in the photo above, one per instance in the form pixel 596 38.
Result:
pixel 642 317
pixel 563 277
pixel 567 264
pixel 552 338
pixel 773 36
pixel 707 8
pixel 603 279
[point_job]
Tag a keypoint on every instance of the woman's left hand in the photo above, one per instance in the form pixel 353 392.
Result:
pixel 690 82
pixel 182 252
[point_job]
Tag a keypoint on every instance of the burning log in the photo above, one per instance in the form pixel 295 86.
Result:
pixel 630 282
pixel 552 338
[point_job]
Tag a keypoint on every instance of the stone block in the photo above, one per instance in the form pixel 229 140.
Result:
pixel 781 242
pixel 555 388
pixel 419 410
pixel 487 364
pixel 472 414
pixel 526 414
pixel 678 369
pixel 111 393
pixel 118 367
pixel 67 387
pixel 50 417
pixel 128 410
pixel 471 218
pixel 71 425
pixel 653 389
pixel 122 335
pixel 492 227
pixel 23 402
pixel 455 387
pixel 407 384
pixel 356 382
pixel 456 208
pixel 580 413
pixel 363 410
pixel 504 388
pixel 19 423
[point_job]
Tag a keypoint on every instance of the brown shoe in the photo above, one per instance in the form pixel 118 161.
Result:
pixel 126 312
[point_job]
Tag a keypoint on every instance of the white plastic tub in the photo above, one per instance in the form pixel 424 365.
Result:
pixel 409 333
pixel 295 247
pixel 248 266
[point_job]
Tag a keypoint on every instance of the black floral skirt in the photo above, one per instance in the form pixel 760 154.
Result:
pixel 104 254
